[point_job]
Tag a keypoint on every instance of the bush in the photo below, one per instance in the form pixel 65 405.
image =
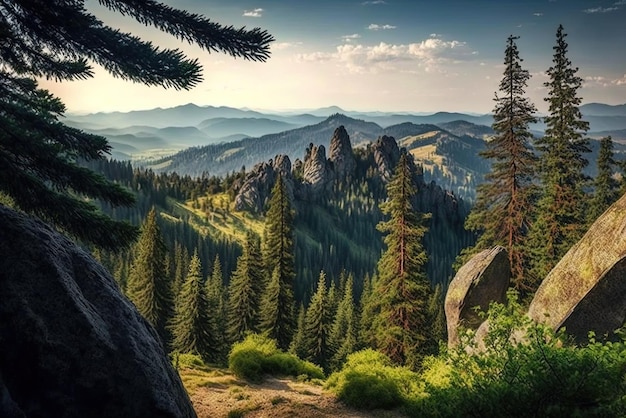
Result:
pixel 258 355
pixel 369 381
pixel 187 361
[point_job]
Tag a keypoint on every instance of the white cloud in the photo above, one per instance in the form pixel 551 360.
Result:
pixel 278 46
pixel 620 81
pixel 600 10
pixel 428 54
pixel 435 35
pixel 367 3
pixel 374 26
pixel 350 38
pixel 253 13
pixel 538 14
pixel 620 3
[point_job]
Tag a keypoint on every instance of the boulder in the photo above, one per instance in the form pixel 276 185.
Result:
pixel 71 345
pixel 257 189
pixel 586 290
pixel 483 279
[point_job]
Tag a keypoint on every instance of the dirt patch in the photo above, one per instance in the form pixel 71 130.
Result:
pixel 223 395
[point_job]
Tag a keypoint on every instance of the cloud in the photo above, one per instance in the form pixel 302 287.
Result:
pixel 428 54
pixel 620 3
pixel 374 26
pixel 368 3
pixel 600 10
pixel 253 13
pixel 278 46
pixel 350 38
pixel 538 14
pixel 602 81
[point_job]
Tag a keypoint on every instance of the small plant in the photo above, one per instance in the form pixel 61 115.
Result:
pixel 277 399
pixel 258 355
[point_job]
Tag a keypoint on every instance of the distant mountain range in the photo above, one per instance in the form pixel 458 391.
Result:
pixel 194 139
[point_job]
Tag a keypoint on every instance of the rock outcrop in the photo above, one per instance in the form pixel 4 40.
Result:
pixel 386 156
pixel 317 173
pixel 341 155
pixel 71 345
pixel 586 290
pixel 482 280
pixel 257 188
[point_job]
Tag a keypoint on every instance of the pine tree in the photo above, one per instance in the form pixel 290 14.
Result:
pixel 297 345
pixel 368 310
pixel 245 290
pixel 504 202
pixel 214 289
pixel 39 155
pixel 277 311
pixel 402 288
pixel 606 187
pixel 192 328
pixel 560 221
pixel 317 325
pixel 148 284
pixel 344 337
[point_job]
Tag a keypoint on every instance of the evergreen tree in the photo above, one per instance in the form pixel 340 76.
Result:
pixel 344 336
pixel 277 312
pixel 560 219
pixel 192 328
pixel 297 345
pixel 245 290
pixel 181 261
pixel 504 202
pixel 317 325
pixel 39 155
pixel 606 187
pixel 217 307
pixel 368 310
pixel 437 318
pixel 148 284
pixel 402 288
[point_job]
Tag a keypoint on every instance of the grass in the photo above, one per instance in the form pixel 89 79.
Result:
pixel 223 219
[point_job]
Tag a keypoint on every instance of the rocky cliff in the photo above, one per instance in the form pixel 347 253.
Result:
pixel 71 345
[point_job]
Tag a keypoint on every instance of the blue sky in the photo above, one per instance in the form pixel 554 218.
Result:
pixel 418 56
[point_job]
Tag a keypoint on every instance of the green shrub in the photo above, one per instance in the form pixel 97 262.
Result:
pixel 258 355
pixel 369 381
pixel 187 361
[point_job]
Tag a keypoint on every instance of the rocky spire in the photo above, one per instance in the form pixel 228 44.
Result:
pixel 341 155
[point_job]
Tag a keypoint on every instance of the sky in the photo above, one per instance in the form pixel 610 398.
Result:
pixel 376 55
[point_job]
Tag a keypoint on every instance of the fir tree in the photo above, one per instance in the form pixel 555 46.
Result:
pixel 606 187
pixel 297 345
pixel 402 288
pixel 277 312
pixel 317 325
pixel 344 337
pixel 214 289
pixel 368 310
pixel 560 217
pixel 504 202
pixel 192 328
pixel 246 287
pixel 148 285
pixel 39 155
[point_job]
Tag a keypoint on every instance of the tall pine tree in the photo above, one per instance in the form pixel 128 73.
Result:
pixel 344 336
pixel 244 292
pixel 317 325
pixel 193 330
pixel 149 286
pixel 504 203
pixel 402 288
pixel 277 310
pixel 560 218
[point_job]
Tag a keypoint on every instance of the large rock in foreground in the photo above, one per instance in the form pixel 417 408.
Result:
pixel 483 279
pixel 70 344
pixel 586 290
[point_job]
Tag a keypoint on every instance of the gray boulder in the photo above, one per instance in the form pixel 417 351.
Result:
pixel 71 345
pixel 483 279
pixel 586 290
